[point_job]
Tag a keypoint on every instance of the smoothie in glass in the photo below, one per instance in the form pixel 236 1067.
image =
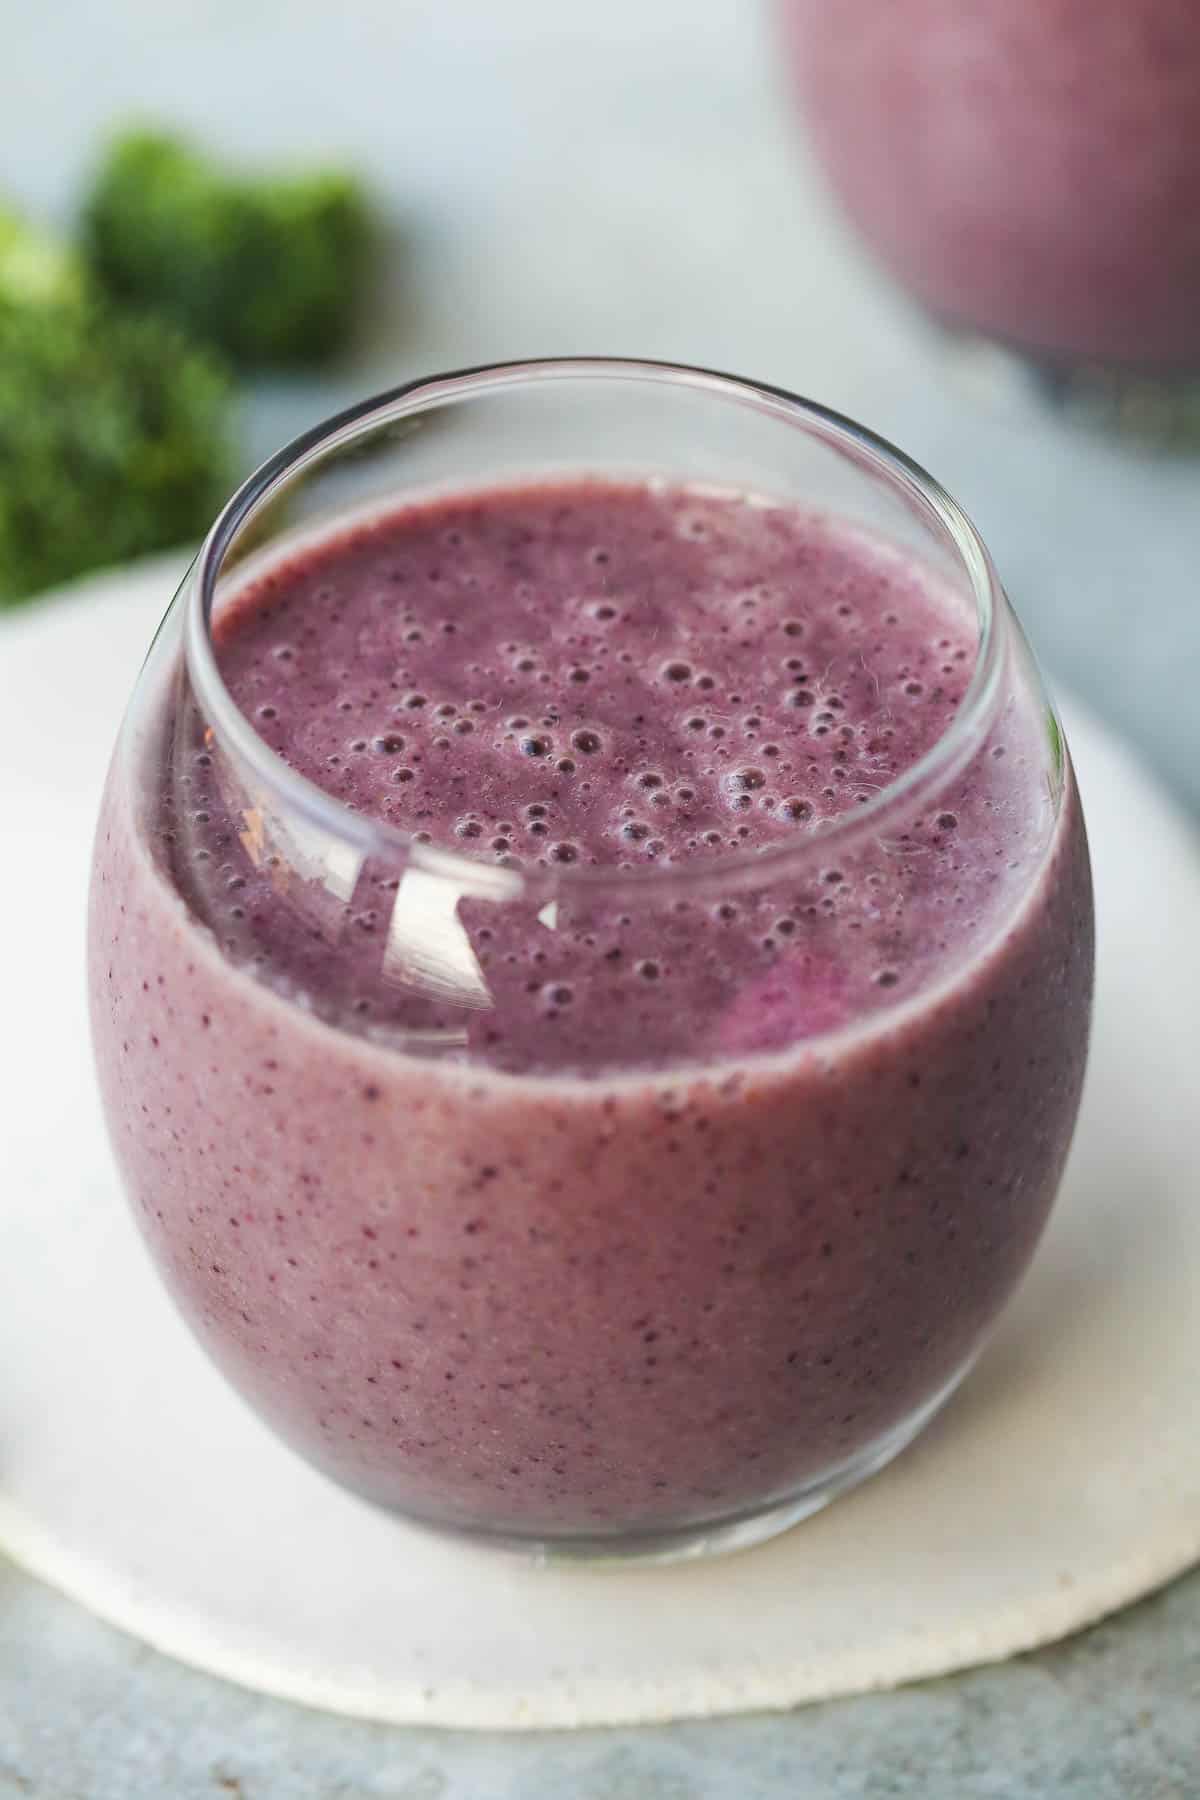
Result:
pixel 1028 169
pixel 649 1146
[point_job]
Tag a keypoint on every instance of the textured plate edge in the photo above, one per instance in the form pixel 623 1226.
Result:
pixel 1024 1624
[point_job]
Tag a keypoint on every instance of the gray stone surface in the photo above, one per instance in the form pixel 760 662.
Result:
pixel 626 179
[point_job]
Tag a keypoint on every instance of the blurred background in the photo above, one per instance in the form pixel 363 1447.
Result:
pixel 627 178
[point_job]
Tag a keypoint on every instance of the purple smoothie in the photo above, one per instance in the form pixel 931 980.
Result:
pixel 654 1206
pixel 1027 168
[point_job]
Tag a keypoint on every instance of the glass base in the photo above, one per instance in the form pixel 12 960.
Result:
pixel 712 1537
pixel 1155 409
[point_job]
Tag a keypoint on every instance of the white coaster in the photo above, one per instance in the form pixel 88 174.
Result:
pixel 1063 1481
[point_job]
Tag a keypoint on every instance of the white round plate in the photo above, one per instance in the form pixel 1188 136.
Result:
pixel 1063 1481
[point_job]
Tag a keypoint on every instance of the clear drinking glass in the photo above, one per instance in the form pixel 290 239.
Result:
pixel 509 1191
pixel 1028 170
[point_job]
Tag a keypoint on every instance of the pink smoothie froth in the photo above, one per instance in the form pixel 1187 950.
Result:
pixel 676 1201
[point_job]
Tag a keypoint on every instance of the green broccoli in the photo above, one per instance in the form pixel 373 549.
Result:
pixel 35 270
pixel 269 269
pixel 113 427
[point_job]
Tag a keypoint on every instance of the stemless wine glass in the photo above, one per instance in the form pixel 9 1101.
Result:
pixel 1028 170
pixel 596 1209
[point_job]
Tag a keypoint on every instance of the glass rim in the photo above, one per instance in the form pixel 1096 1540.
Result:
pixel 373 837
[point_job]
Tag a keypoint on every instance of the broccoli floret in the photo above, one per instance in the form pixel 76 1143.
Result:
pixel 269 269
pixel 35 270
pixel 114 429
